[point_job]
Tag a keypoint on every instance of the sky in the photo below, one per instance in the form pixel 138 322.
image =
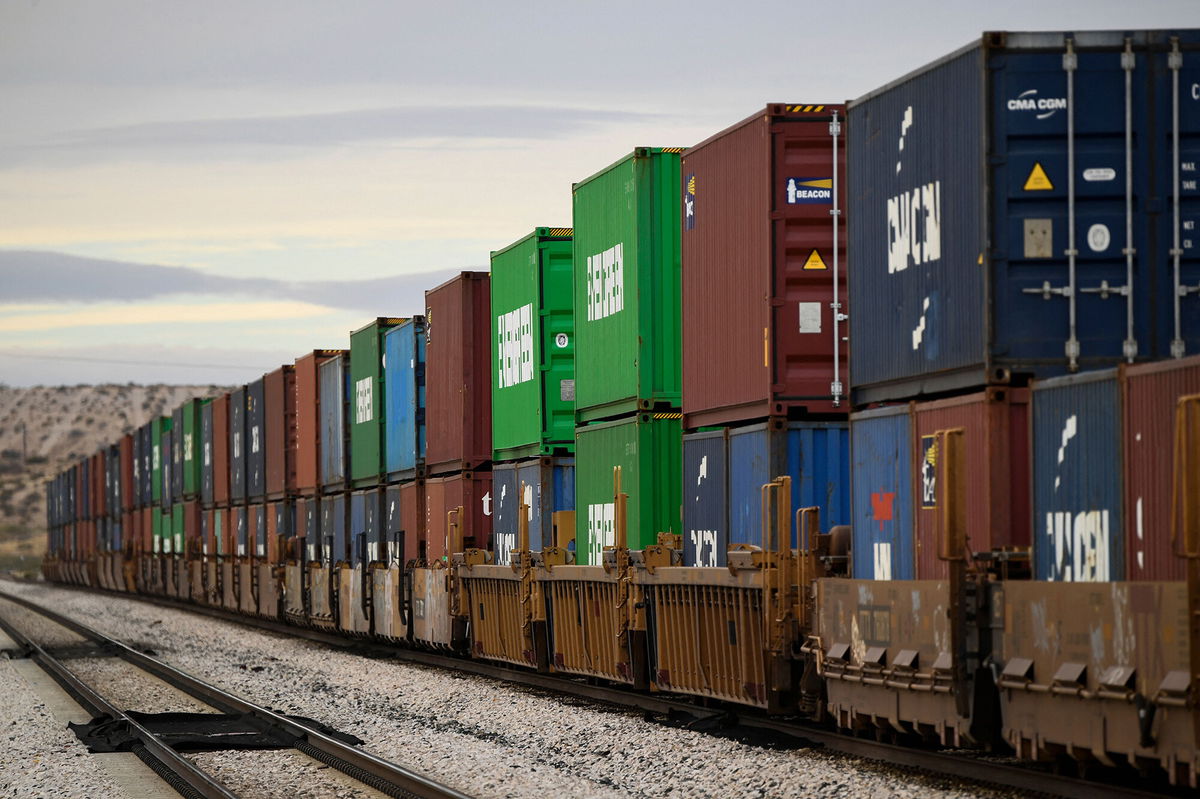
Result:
pixel 197 192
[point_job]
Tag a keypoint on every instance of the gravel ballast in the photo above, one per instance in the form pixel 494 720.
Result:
pixel 478 735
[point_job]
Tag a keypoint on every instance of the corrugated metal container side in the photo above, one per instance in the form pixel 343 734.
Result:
pixel 882 522
pixel 279 394
pixel 1077 488
pixel 1151 392
pixel 335 519
pixel 309 526
pixel 392 526
pixel 816 455
pixel 177 439
pixel 220 448
pixel 147 487
pixel 332 379
pixel 547 485
pixel 190 460
pixel 533 347
pixel 404 399
pixel 705 497
pixel 367 418
pixel 627 332
pixel 238 481
pixel 126 493
pixel 308 420
pixel 241 528
pixel 412 519
pixel 366 514
pixel 995 427
pixel 934 193
pixel 256 451
pixel 471 491
pixel 458 374
pixel 758 239
pixel 167 445
pixel 206 454
pixel 648 448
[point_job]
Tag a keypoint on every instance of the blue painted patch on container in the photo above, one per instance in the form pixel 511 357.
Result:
pixel 882 526
pixel 705 498
pixel 1077 485
pixel 404 392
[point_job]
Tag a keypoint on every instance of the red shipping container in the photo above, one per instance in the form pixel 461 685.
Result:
pixel 220 449
pixel 995 426
pixel 1151 392
pixel 308 419
pixel 126 449
pixel 191 527
pixel 146 532
pixel 458 377
pixel 128 531
pixel 760 335
pixel 80 512
pixel 99 506
pixel 279 399
pixel 472 492
pixel 413 500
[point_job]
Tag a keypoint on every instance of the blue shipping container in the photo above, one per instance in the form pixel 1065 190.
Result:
pixel 333 378
pixel 364 527
pixel 705 498
pixel 882 526
pixel 393 525
pixel 549 487
pixel 967 266
pixel 258 529
pixel 1078 522
pixel 314 542
pixel 404 393
pixel 256 441
pixel 240 526
pixel 237 444
pixel 334 521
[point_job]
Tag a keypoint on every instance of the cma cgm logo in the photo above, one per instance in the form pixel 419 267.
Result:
pixel 914 216
pixel 1045 107
pixel 606 283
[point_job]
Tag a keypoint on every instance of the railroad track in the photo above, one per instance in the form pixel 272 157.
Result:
pixel 1029 778
pixel 184 776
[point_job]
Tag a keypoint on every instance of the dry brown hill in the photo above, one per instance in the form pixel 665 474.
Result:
pixel 43 430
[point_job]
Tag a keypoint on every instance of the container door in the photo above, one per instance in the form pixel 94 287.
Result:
pixel 706 534
pixel 507 502
pixel 881 453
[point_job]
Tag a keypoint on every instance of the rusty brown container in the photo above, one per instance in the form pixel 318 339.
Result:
pixel 191 528
pixel 308 420
pixel 1150 393
pixel 470 491
pixel 279 393
pixel 412 519
pixel 220 450
pixel 126 463
pixel 760 335
pixel 996 433
pixel 99 495
pixel 458 382
pixel 146 539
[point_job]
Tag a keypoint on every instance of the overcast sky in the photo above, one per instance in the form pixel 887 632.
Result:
pixel 200 191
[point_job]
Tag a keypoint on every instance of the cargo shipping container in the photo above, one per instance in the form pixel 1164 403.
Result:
pixel 458 413
pixel 308 420
pixel 627 332
pixel 281 527
pixel 146 460
pixel 190 457
pixel 648 448
pixel 471 491
pixel 256 450
pixel 308 524
pixel 367 418
pixel 177 438
pixel 257 519
pixel 206 454
pixel 764 268
pixel 392 525
pixel 546 485
pixel 995 426
pixel 1078 513
pixel 241 529
pixel 167 446
pixel 178 528
pixel 533 347
pixel 404 399
pixel 221 469
pixel 725 470
pixel 334 521
pixel 126 475
pixel 413 517
pixel 238 481
pixel 279 425
pixel 333 377
pixel 1151 392
pixel 365 526
pixel 882 494
pixel 1025 228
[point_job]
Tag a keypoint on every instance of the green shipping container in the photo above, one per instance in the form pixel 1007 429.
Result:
pixel 367 428
pixel 157 427
pixel 627 286
pixel 191 447
pixel 648 448
pixel 177 529
pixel 533 347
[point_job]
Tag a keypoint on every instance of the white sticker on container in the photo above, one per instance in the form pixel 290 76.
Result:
pixel 1099 174
pixel 883 560
pixel 1099 237
pixel 810 317
pixel 566 390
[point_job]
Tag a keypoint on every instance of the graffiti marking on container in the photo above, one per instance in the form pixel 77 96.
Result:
pixel 928 471
pixel 914 227
pixel 1079 544
pixel 1070 428
pixel 918 334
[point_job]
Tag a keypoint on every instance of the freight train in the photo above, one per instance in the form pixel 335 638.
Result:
pixel 879 414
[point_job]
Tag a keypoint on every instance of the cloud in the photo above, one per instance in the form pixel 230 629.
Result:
pixel 31 276
pixel 288 135
pixel 168 313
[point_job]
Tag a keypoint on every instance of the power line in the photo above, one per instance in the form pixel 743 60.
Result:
pixel 27 356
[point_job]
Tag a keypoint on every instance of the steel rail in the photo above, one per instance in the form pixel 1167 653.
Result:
pixel 177 771
pixel 986 772
pixel 382 775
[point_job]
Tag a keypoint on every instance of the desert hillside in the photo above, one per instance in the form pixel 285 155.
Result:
pixel 44 429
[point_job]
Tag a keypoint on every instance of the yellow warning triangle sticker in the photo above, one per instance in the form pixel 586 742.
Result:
pixel 1038 180
pixel 814 261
